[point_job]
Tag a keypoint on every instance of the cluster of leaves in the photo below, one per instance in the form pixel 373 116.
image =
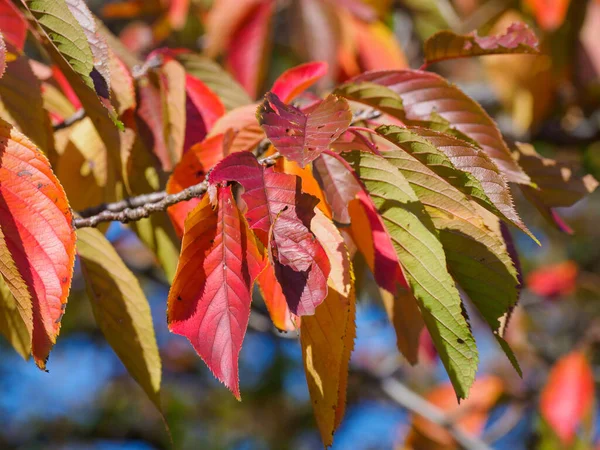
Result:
pixel 397 172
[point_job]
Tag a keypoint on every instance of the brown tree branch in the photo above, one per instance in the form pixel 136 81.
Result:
pixel 141 206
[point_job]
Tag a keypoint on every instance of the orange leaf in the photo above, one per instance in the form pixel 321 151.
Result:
pixel 550 14
pixel 37 245
pixel 191 170
pixel 553 280
pixel 209 302
pixel 568 395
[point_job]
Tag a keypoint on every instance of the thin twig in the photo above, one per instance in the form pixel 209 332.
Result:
pixel 72 119
pixel 419 405
pixel 141 206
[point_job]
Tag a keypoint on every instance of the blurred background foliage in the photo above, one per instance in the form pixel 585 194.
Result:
pixel 88 401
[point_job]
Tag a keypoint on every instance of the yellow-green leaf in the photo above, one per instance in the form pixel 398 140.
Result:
pixel 12 326
pixel 121 310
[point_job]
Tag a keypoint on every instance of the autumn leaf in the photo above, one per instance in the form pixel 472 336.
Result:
pixel 327 337
pixel 553 280
pixel 446 104
pixel 461 164
pixel 12 24
pixel 296 80
pixel 38 241
pixel 303 137
pixel 550 14
pixel 249 47
pixel 377 47
pixel 280 214
pixel 121 310
pixel 338 185
pixel 568 396
pixel 202 109
pixel 191 170
pixel 518 38
pixel 12 326
pixel 209 301
pixel 216 79
pixel 247 133
pixel 421 255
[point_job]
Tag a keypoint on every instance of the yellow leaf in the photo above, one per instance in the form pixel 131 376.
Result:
pixel 121 310
pixel 12 325
pixel 327 337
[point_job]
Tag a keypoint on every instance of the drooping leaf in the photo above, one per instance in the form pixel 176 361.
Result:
pixel 121 310
pixel 173 90
pixel 202 109
pixel 554 280
pixel 12 326
pixel 327 337
pixel 568 396
pixel 303 137
pixel 156 232
pixel 518 38
pixel 100 75
pixel 243 123
pixel 275 300
pixel 216 78
pixel 152 111
pixel 280 214
pixel 191 170
pixel 12 24
pixel 249 48
pixel 464 166
pixel 557 184
pixel 428 98
pixel 21 97
pixel 296 80
pixel 38 243
pixel 422 257
pixel 209 302
pixel 338 184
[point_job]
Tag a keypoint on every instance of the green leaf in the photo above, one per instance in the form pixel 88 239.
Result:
pixel 476 257
pixel 66 34
pixel 216 78
pixel 374 95
pixel 121 310
pixel 428 100
pixel 463 165
pixel 424 263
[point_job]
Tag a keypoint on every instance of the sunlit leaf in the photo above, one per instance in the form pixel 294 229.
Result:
pixel 249 47
pixel 422 257
pixel 327 337
pixel 518 38
pixel 209 302
pixel 461 164
pixel 303 137
pixel 121 310
pixel 38 244
pixel 191 170
pixel 12 24
pixel 296 80
pixel 550 14
pixel 428 98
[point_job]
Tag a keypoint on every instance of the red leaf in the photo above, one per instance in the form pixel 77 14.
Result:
pixel 191 170
pixel 425 94
pixel 248 47
pixel 303 137
pixel 151 111
pixel 296 80
pixel 37 241
pixel 178 13
pixel 371 238
pixel 280 214
pixel 553 280
pixel 568 395
pixel 209 302
pixel 12 24
pixel 203 107
pixel 550 14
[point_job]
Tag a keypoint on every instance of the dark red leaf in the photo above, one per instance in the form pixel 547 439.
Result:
pixel 12 24
pixel 303 137
pixel 203 107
